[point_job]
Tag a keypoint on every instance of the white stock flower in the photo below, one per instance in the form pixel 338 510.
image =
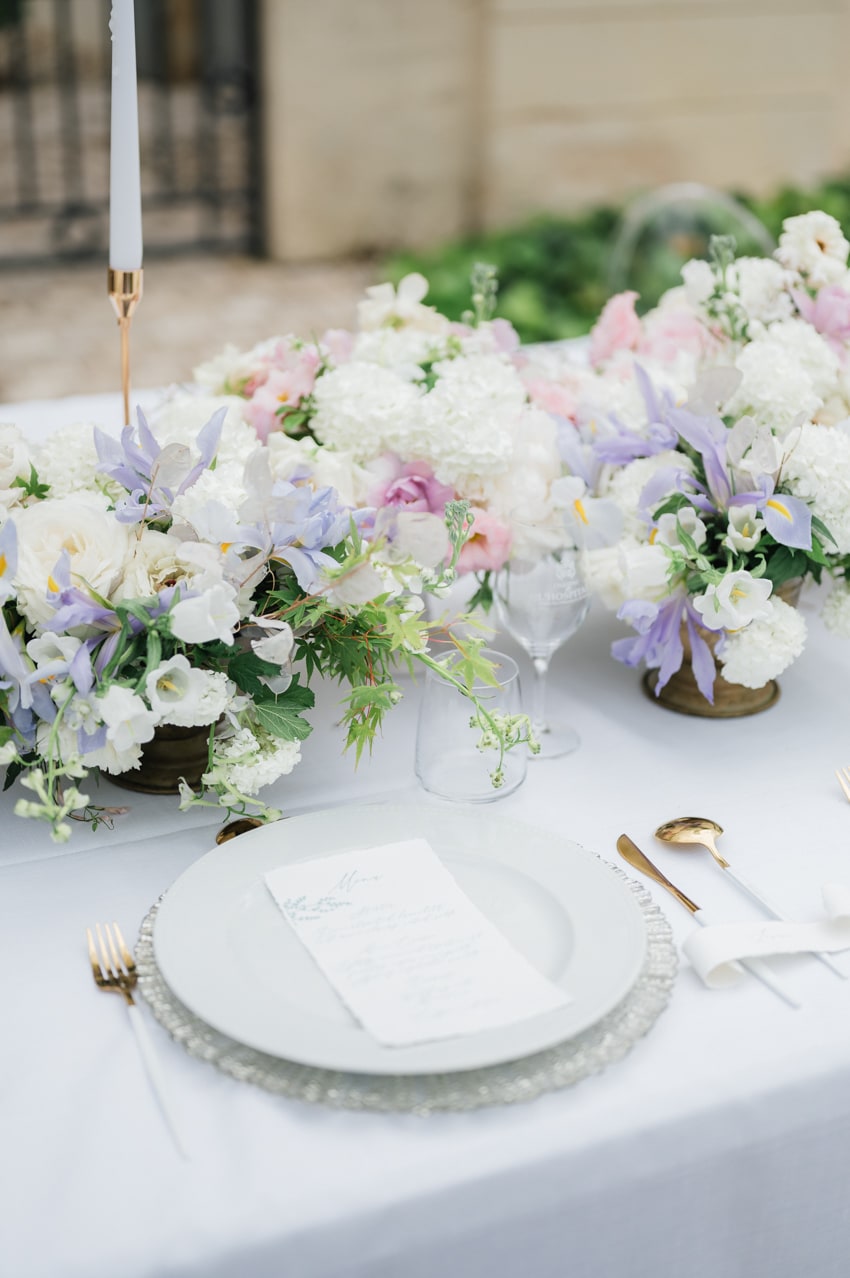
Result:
pixel 96 544
pixel 245 762
pixel 128 720
pixel 764 648
pixel 208 616
pixel 836 610
pixel 817 469
pixel 360 408
pixel 181 695
pixel 814 245
pixel 744 529
pixel 736 600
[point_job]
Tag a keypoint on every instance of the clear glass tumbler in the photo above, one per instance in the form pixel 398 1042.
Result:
pixel 449 762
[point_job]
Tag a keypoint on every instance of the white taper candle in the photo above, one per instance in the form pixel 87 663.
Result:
pixel 125 194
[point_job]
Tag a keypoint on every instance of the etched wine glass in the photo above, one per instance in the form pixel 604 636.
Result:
pixel 541 601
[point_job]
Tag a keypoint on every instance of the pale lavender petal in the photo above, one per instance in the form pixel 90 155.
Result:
pixel 789 521
pixel 702 660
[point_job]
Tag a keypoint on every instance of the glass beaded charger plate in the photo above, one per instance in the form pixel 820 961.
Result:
pixel 225 950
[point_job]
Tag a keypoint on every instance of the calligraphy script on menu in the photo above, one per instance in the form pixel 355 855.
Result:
pixel 403 946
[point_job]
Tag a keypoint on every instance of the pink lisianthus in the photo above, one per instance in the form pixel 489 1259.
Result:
pixel 618 328
pixel 489 547
pixel 829 313
pixel 505 336
pixel 410 485
pixel 284 387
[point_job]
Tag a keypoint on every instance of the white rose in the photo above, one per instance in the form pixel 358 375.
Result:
pixel 97 545
pixel 153 561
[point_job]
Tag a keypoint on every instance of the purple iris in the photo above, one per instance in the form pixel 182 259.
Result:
pixel 153 475
pixel 659 640
pixel 625 445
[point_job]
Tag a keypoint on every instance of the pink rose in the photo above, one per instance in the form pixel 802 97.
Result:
pixel 410 485
pixel 489 547
pixel 618 328
pixel 829 313
pixel 283 388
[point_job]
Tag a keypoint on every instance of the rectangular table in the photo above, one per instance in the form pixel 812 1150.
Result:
pixel 719 1146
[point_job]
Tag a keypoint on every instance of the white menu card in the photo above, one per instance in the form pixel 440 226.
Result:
pixel 406 950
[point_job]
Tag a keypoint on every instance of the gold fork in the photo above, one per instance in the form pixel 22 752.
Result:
pixel 843 775
pixel 114 970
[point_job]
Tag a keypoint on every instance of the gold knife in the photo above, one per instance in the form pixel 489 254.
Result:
pixel 630 852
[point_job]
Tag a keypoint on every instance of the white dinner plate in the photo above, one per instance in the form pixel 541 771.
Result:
pixel 227 952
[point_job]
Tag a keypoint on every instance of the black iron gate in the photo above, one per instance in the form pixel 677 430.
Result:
pixel 198 114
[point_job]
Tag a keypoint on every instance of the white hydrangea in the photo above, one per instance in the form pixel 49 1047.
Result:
pixel 762 650
pixel 626 484
pixel 363 408
pixel 814 245
pixel 774 389
pixel 179 419
pixel 836 610
pixel 401 349
pixel 225 484
pixel 803 344
pixel 68 462
pixel 817 468
pixel 246 763
pixel 762 288
pixel 466 425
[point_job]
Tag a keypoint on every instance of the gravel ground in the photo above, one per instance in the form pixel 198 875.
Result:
pixel 60 336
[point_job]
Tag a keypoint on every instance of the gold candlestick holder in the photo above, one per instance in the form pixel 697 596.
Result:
pixel 125 293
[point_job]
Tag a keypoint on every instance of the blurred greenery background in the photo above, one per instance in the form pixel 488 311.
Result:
pixel 555 273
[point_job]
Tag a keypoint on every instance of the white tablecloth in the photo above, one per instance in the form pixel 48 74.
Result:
pixel 719 1147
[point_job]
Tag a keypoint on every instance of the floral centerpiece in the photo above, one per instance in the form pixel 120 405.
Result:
pixel 717 426
pixel 189 576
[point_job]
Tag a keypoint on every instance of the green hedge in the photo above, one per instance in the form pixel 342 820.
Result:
pixel 554 272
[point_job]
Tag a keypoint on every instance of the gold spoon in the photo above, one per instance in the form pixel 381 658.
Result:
pixel 630 852
pixel 701 832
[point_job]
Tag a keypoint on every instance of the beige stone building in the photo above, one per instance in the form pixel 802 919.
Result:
pixel 393 122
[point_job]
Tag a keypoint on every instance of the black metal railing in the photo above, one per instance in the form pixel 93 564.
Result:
pixel 198 113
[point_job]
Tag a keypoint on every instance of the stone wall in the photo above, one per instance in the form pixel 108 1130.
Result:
pixel 404 122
